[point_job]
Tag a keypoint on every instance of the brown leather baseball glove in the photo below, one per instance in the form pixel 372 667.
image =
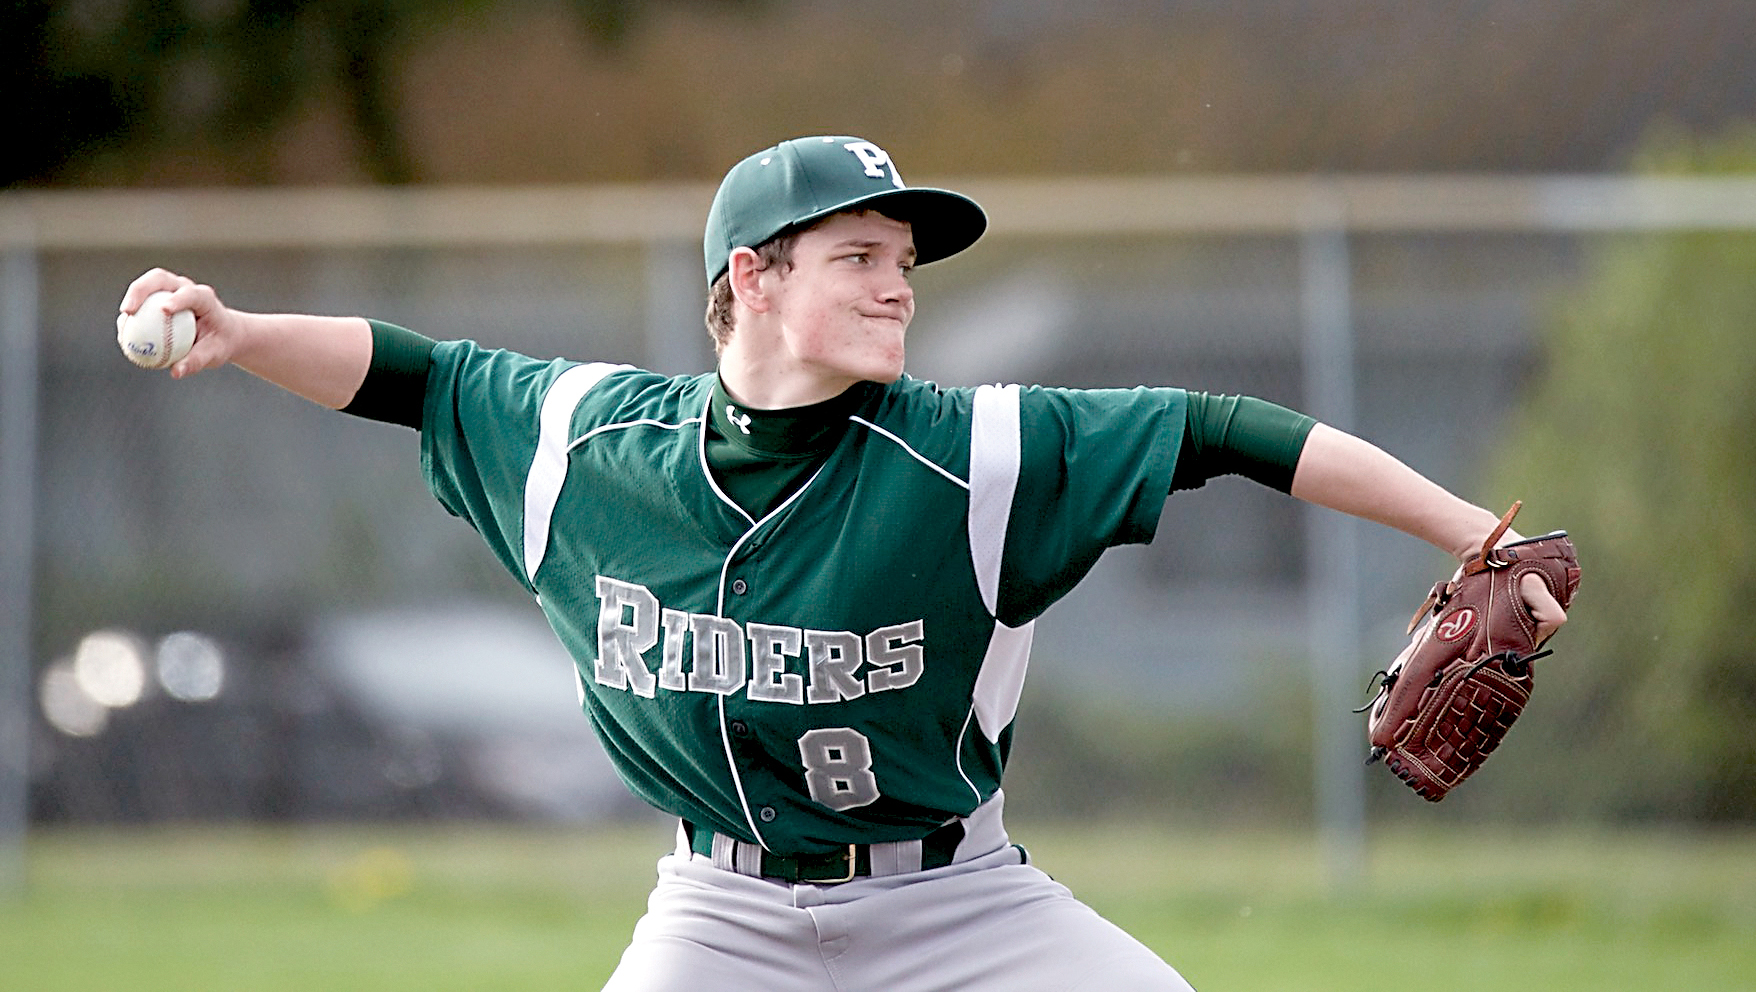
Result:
pixel 1448 699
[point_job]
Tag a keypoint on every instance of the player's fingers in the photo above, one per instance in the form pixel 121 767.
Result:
pixel 213 344
pixel 212 347
pixel 148 283
pixel 205 354
pixel 195 296
pixel 1544 608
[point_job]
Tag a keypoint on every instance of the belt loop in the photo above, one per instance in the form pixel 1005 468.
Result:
pixel 748 859
pixel 725 852
pixel 896 857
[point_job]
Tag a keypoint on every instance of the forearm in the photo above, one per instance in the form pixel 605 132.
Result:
pixel 323 359
pixel 1346 473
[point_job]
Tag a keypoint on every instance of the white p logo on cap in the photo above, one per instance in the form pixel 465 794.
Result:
pixel 876 160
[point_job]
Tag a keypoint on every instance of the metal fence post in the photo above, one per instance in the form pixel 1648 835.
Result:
pixel 1333 570
pixel 18 475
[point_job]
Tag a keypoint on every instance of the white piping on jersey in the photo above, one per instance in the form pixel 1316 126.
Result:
pixel 707 473
pixel 713 484
pixel 725 740
pixel 548 466
pixel 961 734
pixel 621 425
pixel 548 469
pixel 719 609
pixel 923 459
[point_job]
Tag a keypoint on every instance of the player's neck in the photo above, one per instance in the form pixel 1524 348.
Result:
pixel 771 382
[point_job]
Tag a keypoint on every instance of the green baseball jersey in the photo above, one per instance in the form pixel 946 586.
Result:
pixel 845 667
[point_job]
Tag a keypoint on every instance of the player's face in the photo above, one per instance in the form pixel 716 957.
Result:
pixel 846 303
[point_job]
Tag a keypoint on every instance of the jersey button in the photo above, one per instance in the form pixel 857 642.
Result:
pixel 767 813
pixel 740 729
pixel 740 587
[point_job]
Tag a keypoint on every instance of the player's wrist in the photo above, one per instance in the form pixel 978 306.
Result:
pixel 1483 529
pixel 1468 541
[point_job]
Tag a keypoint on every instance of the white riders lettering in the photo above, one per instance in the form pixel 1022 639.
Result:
pixel 769 662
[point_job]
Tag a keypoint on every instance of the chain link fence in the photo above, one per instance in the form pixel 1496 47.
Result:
pixel 228 535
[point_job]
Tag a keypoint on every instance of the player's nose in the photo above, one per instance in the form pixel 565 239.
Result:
pixel 895 288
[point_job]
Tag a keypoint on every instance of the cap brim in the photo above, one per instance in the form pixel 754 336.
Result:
pixel 944 223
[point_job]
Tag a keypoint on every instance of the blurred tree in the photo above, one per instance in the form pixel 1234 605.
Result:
pixel 94 79
pixel 1641 440
pixel 66 95
pixel 146 92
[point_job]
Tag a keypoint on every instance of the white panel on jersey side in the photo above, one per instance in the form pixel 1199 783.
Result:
pixel 993 478
pixel 994 459
pixel 548 468
pixel 1001 680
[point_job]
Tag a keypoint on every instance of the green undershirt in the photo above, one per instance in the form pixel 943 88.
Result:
pixel 395 388
pixel 760 457
pixel 1240 435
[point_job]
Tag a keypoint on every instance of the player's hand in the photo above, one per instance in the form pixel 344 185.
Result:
pixel 1543 606
pixel 1544 609
pixel 217 327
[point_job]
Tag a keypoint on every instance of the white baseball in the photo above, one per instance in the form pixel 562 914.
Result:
pixel 154 338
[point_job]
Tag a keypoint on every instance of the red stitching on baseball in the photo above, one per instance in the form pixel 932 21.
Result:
pixel 170 322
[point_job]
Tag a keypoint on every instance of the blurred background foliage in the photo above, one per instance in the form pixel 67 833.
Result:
pixel 1642 434
pixel 218 83
pixel 178 92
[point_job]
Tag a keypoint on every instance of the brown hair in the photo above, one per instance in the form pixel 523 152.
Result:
pixel 777 250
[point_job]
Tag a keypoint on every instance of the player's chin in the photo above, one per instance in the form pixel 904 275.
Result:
pixel 886 371
pixel 881 365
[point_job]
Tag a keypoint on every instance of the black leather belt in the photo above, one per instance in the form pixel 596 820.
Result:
pixel 855 861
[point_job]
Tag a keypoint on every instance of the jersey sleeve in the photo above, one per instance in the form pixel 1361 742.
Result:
pixel 479 434
pixel 1095 469
pixel 1240 435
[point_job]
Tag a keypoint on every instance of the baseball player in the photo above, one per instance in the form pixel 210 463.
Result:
pixel 800 589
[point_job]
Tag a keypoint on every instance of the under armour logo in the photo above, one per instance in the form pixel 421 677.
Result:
pixel 876 160
pixel 732 415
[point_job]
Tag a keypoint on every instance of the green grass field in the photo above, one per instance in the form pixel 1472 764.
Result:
pixel 500 908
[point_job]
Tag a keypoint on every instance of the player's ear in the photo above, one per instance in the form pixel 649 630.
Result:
pixel 744 274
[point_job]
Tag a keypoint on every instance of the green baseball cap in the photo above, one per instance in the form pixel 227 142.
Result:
pixel 804 180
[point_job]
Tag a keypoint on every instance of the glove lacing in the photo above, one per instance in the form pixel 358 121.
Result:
pixel 1516 665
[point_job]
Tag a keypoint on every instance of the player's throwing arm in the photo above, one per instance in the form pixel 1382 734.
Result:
pixel 323 359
